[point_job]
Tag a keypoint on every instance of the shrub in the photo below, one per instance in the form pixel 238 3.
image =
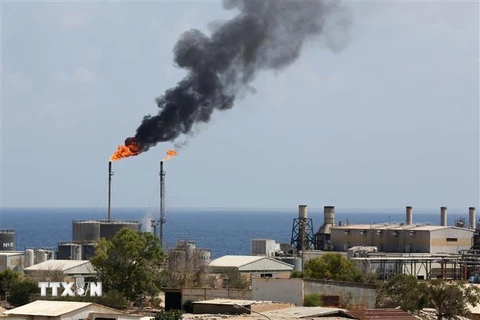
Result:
pixel 312 300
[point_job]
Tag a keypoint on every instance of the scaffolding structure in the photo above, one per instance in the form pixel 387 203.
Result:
pixel 423 267
pixel 302 234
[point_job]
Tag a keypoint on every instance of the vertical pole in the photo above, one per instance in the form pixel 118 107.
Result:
pixel 109 188
pixel 162 202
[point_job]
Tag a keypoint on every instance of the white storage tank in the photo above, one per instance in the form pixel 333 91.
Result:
pixel 190 250
pixel 40 256
pixel 297 264
pixel 29 258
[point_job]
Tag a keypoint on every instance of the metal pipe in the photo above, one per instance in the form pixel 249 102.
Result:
pixel 110 174
pixel 162 203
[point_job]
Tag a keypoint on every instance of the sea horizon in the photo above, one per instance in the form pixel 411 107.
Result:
pixel 397 210
pixel 222 230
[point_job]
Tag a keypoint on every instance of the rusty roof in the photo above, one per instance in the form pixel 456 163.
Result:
pixel 377 314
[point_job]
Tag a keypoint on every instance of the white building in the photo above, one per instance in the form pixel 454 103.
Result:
pixel 71 270
pixel 12 260
pixel 66 310
pixel 254 265
pixel 264 247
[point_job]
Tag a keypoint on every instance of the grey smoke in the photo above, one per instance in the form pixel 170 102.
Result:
pixel 264 35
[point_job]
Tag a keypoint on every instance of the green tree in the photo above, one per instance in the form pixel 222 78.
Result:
pixel 450 300
pixel 130 263
pixel 168 315
pixel 312 300
pixel 7 277
pixel 296 274
pixel 232 278
pixel 333 266
pixel 402 291
pixel 21 291
pixel 16 287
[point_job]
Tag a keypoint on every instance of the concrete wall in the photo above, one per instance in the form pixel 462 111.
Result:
pixel 282 290
pixel 198 294
pixel 386 240
pixel 450 240
pixel 360 296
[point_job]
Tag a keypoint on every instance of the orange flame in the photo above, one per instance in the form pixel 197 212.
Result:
pixel 131 148
pixel 170 154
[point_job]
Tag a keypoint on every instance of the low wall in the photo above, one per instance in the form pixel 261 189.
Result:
pixel 358 296
pixel 199 294
pixel 281 290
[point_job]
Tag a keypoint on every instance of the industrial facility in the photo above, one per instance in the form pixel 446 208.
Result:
pixel 390 248
pixel 86 232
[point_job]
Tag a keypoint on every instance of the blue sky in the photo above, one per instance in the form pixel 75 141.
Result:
pixel 390 120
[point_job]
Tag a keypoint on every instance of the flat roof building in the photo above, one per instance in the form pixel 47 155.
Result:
pixel 402 238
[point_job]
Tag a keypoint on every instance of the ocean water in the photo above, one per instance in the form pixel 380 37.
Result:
pixel 223 231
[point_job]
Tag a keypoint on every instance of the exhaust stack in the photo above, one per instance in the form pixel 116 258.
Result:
pixel 409 215
pixel 329 215
pixel 471 217
pixel 443 216
pixel 110 174
pixel 302 211
pixel 162 203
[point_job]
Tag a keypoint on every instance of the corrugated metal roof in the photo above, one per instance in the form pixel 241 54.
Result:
pixel 47 308
pixel 234 261
pixel 62 265
pixel 251 264
pixel 380 314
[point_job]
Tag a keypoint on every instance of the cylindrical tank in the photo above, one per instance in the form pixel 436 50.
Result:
pixel 69 251
pixel 40 256
pixel 204 255
pixel 471 217
pixel 88 251
pixel 329 215
pixel 85 231
pixel 7 240
pixel 108 228
pixel 443 216
pixel 409 215
pixel 190 250
pixel 297 266
pixel 302 211
pixel 178 256
pixel 64 251
pixel 76 252
pixel 29 258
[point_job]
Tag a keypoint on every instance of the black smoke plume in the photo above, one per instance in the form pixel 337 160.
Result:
pixel 266 34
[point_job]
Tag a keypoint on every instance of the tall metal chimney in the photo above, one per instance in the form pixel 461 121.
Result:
pixel 162 202
pixel 443 216
pixel 302 211
pixel 110 174
pixel 471 218
pixel 409 215
pixel 329 215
